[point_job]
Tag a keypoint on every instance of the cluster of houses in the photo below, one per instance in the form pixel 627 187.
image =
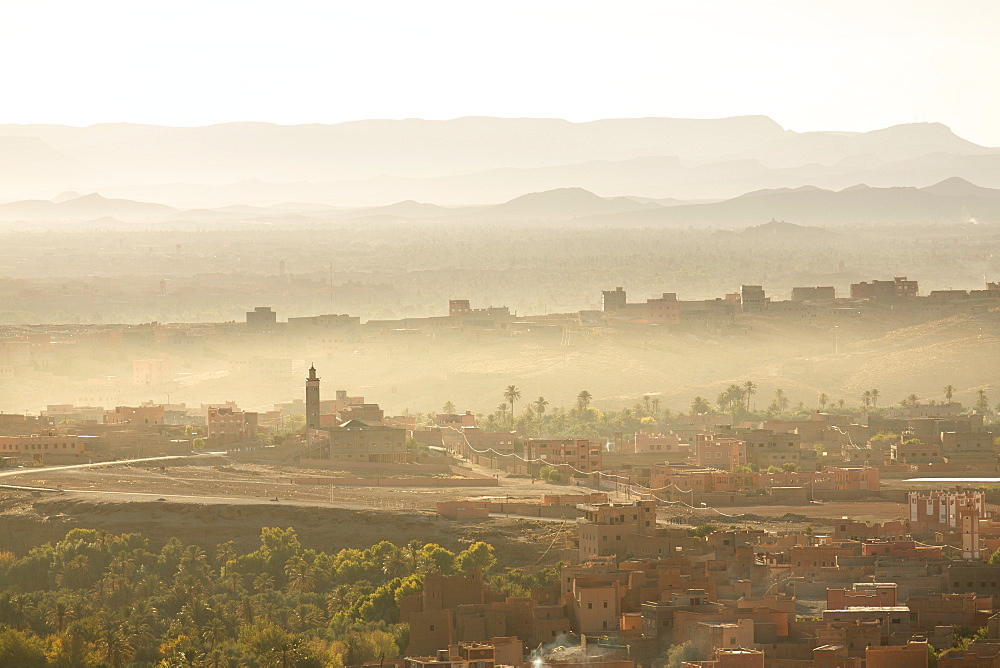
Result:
pixel 872 595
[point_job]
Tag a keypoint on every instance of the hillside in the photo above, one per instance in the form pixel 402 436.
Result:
pixel 945 202
pixel 472 161
pixel 85 208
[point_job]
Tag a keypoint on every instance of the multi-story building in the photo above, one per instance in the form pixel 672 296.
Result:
pixel 813 294
pixel 646 443
pixel 898 288
pixel 753 299
pixel 665 310
pixel 356 441
pixel 363 412
pixel 48 445
pixel 229 424
pixel 262 318
pixel 580 454
pixel 765 448
pixel 720 453
pixel 604 527
pixel 136 416
pixel 940 511
pixel 152 371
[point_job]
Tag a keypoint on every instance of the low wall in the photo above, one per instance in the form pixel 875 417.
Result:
pixel 469 473
pixel 532 510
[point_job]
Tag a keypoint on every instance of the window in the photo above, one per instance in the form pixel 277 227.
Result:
pixel 590 606
pixel 605 604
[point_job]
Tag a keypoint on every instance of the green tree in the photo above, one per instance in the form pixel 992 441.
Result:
pixel 540 404
pixel 781 399
pixel 478 555
pixel 511 394
pixel 449 407
pixel 300 575
pixel 583 401
pixel 678 654
pixel 949 392
pixel 115 642
pixel 21 650
pixel 703 530
pixel 700 405
pixel 549 474
pixel 823 398
pixel 749 389
pixel 982 403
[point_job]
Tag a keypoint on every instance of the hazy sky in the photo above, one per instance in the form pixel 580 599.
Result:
pixel 809 64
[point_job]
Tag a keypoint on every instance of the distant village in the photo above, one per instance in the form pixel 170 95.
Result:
pixel 51 353
pixel 661 571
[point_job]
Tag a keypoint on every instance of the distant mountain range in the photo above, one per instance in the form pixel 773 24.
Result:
pixel 86 208
pixel 472 161
pixel 790 210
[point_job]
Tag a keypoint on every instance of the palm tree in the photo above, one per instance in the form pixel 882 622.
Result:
pixel 583 400
pixel 247 609
pixel 749 389
pixel 217 659
pixel 875 396
pixel 731 398
pixel 540 404
pixel 949 392
pixel 339 599
pixel 394 565
pixel 57 616
pixel 449 407
pixel 823 399
pixel 215 632
pixel 841 403
pixel 913 400
pixel 412 552
pixel 780 399
pixel 982 403
pixel 114 643
pixel 512 394
pixel 866 398
pixel 263 582
pixel 300 575
pixel 647 404
pixel 194 561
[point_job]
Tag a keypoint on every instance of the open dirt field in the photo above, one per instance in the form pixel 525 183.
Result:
pixel 210 500
pixel 219 501
pixel 821 516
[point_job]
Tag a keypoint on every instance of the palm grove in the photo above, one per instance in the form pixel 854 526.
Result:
pixel 538 418
pixel 97 599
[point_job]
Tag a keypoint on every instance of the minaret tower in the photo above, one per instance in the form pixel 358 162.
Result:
pixel 312 399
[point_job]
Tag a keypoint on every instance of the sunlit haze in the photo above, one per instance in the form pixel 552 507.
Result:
pixel 844 65
pixel 481 334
